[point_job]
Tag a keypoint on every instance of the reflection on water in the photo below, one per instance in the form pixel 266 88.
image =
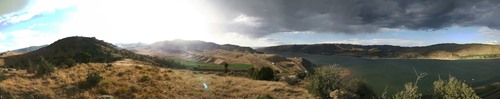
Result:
pixel 393 73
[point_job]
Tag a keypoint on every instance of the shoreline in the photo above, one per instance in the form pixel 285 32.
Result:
pixel 450 59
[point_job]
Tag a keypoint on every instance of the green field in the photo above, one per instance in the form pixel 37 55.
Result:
pixel 481 56
pixel 210 65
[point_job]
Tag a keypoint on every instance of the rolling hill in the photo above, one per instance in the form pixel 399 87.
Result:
pixel 125 75
pixel 181 46
pixel 438 51
pixel 212 53
pixel 71 50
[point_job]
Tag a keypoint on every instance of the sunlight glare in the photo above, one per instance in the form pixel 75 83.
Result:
pixel 152 20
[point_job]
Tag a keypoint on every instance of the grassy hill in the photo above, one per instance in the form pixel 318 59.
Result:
pixel 137 79
pixel 71 50
pixel 438 51
pixel 125 75
pixel 207 55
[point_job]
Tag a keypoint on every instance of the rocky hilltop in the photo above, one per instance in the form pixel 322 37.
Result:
pixel 439 51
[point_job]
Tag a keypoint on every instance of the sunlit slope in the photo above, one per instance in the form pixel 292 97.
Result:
pixel 135 79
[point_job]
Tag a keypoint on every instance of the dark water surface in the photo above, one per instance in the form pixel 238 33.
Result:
pixel 394 73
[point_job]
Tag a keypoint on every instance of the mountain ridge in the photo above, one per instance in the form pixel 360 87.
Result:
pixel 179 46
pixel 447 51
pixel 67 51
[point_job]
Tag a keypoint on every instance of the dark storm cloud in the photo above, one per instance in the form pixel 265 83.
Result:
pixel 356 16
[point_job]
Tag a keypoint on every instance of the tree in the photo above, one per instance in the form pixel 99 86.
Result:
pixel 85 57
pixel 44 67
pixel 324 80
pixel 225 67
pixel 356 88
pixel 453 89
pixel 70 62
pixel 93 78
pixel 264 73
pixel 411 89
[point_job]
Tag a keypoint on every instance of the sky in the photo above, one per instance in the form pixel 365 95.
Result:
pixel 254 23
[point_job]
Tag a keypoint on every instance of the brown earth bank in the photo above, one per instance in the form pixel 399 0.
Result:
pixel 126 79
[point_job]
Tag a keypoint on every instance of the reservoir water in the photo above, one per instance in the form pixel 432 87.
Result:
pixel 392 74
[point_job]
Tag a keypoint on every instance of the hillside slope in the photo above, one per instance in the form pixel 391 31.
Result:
pixel 136 79
pixel 438 51
pixel 208 52
pixel 68 51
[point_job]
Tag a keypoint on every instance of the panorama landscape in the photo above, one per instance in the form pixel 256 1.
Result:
pixel 249 49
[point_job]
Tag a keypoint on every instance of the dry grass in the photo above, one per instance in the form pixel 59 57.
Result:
pixel 125 79
pixel 274 61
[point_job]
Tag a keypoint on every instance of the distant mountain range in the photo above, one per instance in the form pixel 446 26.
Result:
pixel 438 51
pixel 28 49
pixel 180 46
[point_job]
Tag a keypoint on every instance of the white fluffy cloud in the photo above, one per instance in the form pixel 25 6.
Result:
pixel 247 20
pixel 243 40
pixel 488 32
pixel 492 34
pixel 26 38
pixel 494 42
pixel 399 42
pixel 34 8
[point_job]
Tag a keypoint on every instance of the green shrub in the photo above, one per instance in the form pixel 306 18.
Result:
pixel 2 76
pixel 93 79
pixel 144 78
pixel 264 96
pixel 291 81
pixel 134 88
pixel 324 80
pixel 355 89
pixel 410 92
pixel 70 62
pixel 453 89
pixel 109 65
pixel 44 67
pixel 265 73
pixel 85 57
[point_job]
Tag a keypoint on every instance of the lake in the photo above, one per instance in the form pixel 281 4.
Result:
pixel 394 73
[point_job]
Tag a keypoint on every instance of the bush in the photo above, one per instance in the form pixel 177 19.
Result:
pixel 44 67
pixel 93 79
pixel 2 76
pixel 85 57
pixel 410 92
pixel 358 88
pixel 324 80
pixel 291 81
pixel 264 96
pixel 265 73
pixel 144 78
pixel 453 89
pixel 70 62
